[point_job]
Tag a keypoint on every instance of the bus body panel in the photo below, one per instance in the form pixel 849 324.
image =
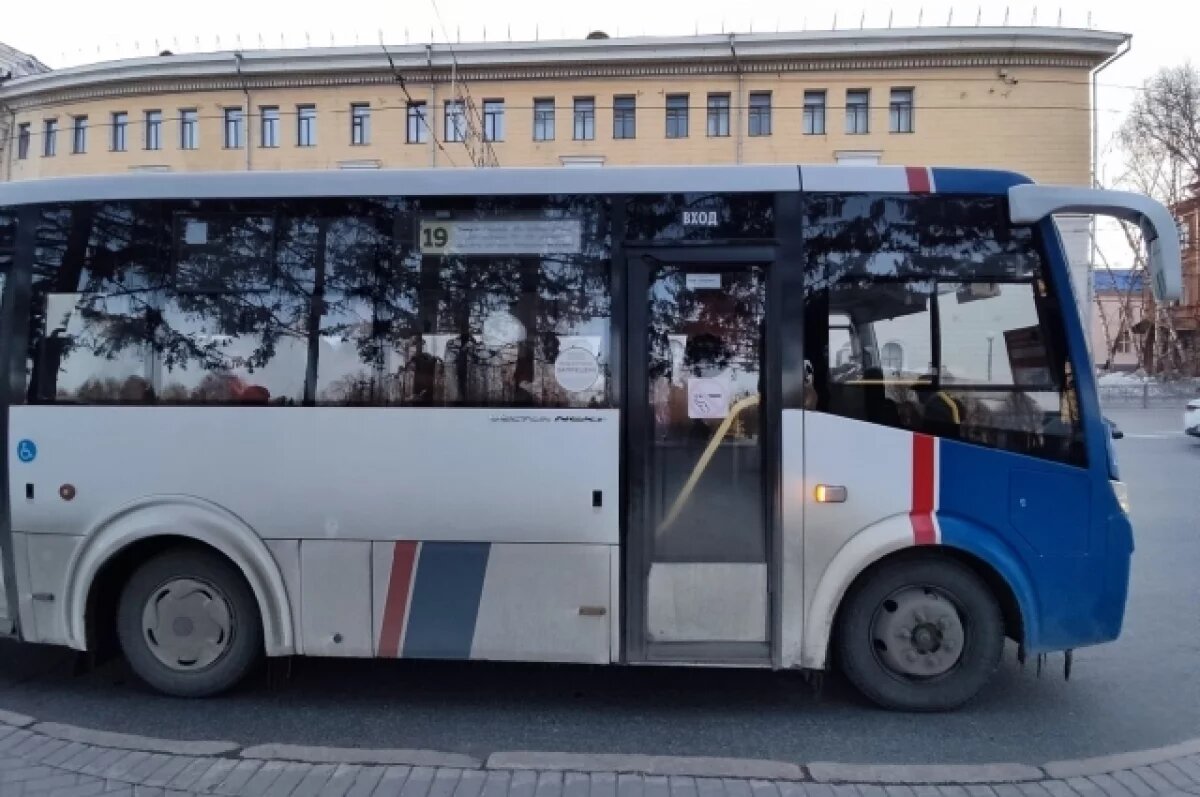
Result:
pixel 460 474
pixel 49 557
pixel 979 507
pixel 175 515
pixel 874 465
pixel 1111 529
pixel 480 600
pixel 559 463
pixel 794 618
pixel 529 181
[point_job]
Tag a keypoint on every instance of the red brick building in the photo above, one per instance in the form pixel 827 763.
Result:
pixel 1185 314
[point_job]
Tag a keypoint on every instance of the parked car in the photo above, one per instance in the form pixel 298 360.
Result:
pixel 1191 418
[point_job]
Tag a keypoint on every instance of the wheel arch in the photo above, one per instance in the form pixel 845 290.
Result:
pixel 140 529
pixel 891 539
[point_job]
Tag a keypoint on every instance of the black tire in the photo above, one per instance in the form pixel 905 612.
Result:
pixel 982 632
pixel 240 650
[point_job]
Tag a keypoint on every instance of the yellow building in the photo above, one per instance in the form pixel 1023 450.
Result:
pixel 1004 97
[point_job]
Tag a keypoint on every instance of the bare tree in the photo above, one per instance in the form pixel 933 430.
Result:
pixel 1160 141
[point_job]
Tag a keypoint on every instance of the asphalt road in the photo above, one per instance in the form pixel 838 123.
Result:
pixel 1142 691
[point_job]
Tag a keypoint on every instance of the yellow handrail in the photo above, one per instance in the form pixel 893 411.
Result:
pixel 702 463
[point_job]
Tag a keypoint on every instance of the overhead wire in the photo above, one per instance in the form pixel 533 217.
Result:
pixel 424 115
pixel 476 122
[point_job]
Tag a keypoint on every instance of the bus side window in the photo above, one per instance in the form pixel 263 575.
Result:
pixel 96 272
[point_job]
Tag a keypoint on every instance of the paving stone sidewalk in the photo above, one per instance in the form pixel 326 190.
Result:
pixel 42 759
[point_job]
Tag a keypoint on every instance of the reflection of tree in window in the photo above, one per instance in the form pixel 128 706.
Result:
pixel 234 329
pixel 96 272
pixel 321 301
pixel 500 321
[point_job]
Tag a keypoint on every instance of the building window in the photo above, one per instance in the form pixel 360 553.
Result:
pixel 585 118
pixel 418 127
pixel 23 137
pixel 493 120
pixel 268 134
pixel 760 113
pixel 677 115
pixel 79 135
pixel 233 128
pixel 718 115
pixel 1124 343
pixel 306 125
pixel 120 130
pixel 543 120
pixel 624 117
pixel 153 130
pixel 456 121
pixel 360 124
pixel 901 111
pixel 858 111
pixel 189 133
pixel 49 138
pixel 814 112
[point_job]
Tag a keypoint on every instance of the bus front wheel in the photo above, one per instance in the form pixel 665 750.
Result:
pixel 920 635
pixel 188 623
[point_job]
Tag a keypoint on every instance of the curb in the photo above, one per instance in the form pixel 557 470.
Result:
pixel 924 774
pixel 14 719
pixel 125 741
pixel 354 755
pixel 1101 765
pixel 20 734
pixel 648 765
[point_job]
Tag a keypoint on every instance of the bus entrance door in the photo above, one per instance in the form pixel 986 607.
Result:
pixel 699 520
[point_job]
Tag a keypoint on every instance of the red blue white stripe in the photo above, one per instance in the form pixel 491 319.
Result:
pixel 433 596
pixel 923 513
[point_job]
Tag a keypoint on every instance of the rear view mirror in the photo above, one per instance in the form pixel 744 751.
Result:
pixel 1113 429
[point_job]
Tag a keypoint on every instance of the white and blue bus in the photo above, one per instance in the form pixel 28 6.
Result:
pixel 768 416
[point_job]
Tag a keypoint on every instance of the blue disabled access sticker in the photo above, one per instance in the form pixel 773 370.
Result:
pixel 26 451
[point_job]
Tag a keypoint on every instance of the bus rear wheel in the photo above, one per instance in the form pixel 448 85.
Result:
pixel 188 623
pixel 920 635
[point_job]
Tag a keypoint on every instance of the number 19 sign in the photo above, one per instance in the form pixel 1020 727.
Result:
pixel 507 237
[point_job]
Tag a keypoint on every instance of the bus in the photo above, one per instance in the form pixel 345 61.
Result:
pixel 790 417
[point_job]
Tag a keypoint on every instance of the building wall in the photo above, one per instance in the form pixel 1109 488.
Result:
pixel 964 116
pixel 1106 325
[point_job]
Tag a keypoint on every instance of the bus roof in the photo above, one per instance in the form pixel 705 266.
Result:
pixel 510 181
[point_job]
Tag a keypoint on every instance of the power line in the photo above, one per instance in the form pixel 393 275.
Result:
pixel 471 115
pixel 399 78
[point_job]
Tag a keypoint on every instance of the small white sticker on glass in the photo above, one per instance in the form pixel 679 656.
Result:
pixel 195 232
pixel 576 369
pixel 703 282
pixel 707 398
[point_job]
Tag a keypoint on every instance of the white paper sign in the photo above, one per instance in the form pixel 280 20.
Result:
pixel 508 237
pixel 576 369
pixel 195 233
pixel 703 282
pixel 707 398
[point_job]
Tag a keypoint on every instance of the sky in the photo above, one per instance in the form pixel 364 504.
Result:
pixel 1164 31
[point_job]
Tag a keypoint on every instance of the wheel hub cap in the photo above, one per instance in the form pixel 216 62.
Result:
pixel 918 632
pixel 187 624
